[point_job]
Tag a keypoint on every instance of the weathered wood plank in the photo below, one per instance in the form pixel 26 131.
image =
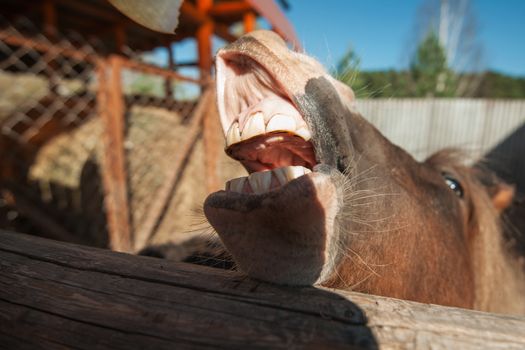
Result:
pixel 57 295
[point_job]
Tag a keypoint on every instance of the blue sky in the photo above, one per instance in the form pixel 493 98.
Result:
pixel 380 31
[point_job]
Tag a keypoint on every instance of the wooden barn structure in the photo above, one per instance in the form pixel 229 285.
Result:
pixel 65 63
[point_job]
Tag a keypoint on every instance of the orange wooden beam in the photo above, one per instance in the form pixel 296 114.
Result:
pixel 204 36
pixel 200 17
pixel 230 8
pixel 211 147
pixel 110 103
pixel 120 37
pixel 273 14
pixel 50 18
pixel 155 70
pixel 51 49
pixel 249 21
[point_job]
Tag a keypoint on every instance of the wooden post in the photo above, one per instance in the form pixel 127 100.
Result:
pixel 211 146
pixel 204 36
pixel 120 37
pixel 50 19
pixel 171 66
pixel 50 31
pixel 249 21
pixel 111 106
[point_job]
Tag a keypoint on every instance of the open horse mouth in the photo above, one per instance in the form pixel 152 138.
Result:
pixel 263 128
pixel 284 210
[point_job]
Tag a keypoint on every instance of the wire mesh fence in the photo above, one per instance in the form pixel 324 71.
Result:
pixel 49 136
pixel 89 142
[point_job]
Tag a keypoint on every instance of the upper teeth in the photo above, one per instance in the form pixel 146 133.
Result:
pixel 233 135
pixel 280 122
pixel 255 125
pixel 260 182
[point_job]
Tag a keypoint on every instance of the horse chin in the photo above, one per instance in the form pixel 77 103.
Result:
pixel 285 236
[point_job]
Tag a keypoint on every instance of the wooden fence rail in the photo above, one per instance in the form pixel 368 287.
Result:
pixel 58 295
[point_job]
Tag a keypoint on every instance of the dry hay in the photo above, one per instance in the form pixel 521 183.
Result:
pixel 153 137
pixel 19 92
pixel 67 168
pixel 62 159
pixel 184 217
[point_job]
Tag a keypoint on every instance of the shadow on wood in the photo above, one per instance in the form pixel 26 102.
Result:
pixel 57 295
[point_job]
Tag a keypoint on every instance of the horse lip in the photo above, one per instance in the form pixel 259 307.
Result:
pixel 289 89
pixel 225 55
pixel 280 88
pixel 289 225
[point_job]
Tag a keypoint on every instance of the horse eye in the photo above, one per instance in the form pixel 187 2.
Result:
pixel 454 185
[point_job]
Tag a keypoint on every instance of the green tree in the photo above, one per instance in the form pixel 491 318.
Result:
pixel 430 74
pixel 348 70
pixel 497 85
pixel 367 84
pixel 144 85
pixel 429 70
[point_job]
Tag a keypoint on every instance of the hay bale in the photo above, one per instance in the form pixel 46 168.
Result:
pixel 19 92
pixel 152 138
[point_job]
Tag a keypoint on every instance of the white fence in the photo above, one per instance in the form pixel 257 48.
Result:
pixel 423 126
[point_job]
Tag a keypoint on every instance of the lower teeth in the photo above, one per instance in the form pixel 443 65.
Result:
pixel 261 182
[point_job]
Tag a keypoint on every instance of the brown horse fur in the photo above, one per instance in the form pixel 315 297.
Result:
pixel 494 278
pixel 365 215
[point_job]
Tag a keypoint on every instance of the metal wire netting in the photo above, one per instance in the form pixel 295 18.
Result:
pixel 52 137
